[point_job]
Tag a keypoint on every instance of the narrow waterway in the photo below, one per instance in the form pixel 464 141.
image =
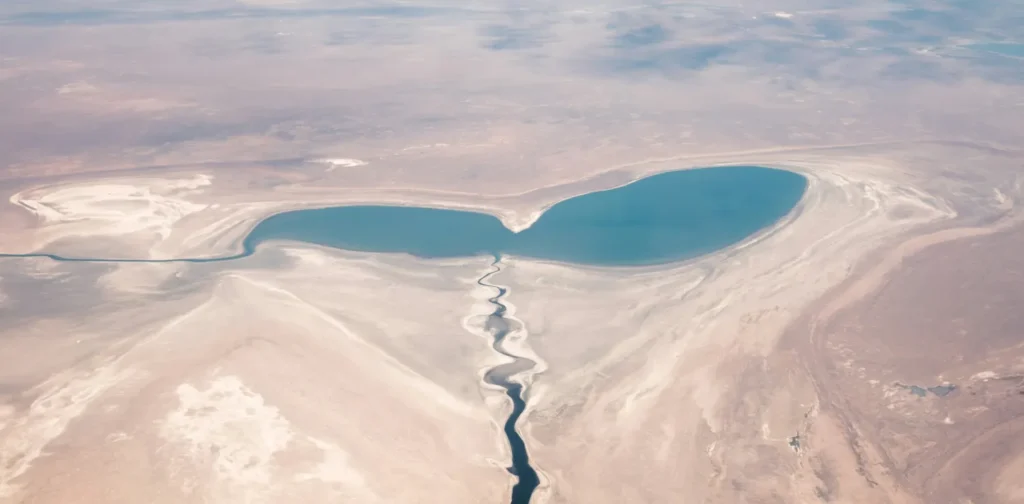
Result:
pixel 664 218
pixel 497 324
pixel 500 326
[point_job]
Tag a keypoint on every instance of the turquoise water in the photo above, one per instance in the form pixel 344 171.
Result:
pixel 659 219
pixel 663 218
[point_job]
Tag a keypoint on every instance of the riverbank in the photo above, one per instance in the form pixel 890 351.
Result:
pixel 673 365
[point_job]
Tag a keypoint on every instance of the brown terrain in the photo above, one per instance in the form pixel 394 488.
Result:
pixel 868 348
pixel 925 376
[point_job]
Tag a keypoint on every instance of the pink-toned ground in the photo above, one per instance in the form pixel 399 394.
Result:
pixel 760 374
pixel 950 315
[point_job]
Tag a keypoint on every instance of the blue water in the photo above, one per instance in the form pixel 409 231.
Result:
pixel 659 219
pixel 526 476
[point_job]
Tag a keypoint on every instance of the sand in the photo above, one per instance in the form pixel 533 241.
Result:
pixel 770 372
pixel 254 389
pixel 303 373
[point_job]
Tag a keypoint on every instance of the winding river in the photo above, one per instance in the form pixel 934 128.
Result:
pixel 660 219
pixel 502 375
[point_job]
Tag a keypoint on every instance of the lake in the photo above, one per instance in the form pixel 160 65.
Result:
pixel 659 219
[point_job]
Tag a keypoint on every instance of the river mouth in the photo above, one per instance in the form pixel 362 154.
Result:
pixel 661 219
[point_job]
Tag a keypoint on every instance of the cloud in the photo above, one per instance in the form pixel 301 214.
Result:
pixel 642 36
pixel 519 29
pixel 126 16
pixel 499 37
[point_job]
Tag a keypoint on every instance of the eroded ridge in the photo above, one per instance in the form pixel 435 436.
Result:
pixel 503 376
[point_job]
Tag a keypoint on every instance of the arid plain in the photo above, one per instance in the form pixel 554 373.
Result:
pixel 869 348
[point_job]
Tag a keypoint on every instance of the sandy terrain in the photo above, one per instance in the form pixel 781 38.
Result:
pixel 807 364
pixel 690 364
pixel 301 373
pixel 945 318
pixel 254 388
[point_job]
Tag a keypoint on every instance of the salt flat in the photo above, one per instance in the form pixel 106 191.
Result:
pixel 293 357
pixel 263 381
pixel 779 370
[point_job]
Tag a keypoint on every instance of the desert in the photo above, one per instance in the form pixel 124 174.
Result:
pixel 864 346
